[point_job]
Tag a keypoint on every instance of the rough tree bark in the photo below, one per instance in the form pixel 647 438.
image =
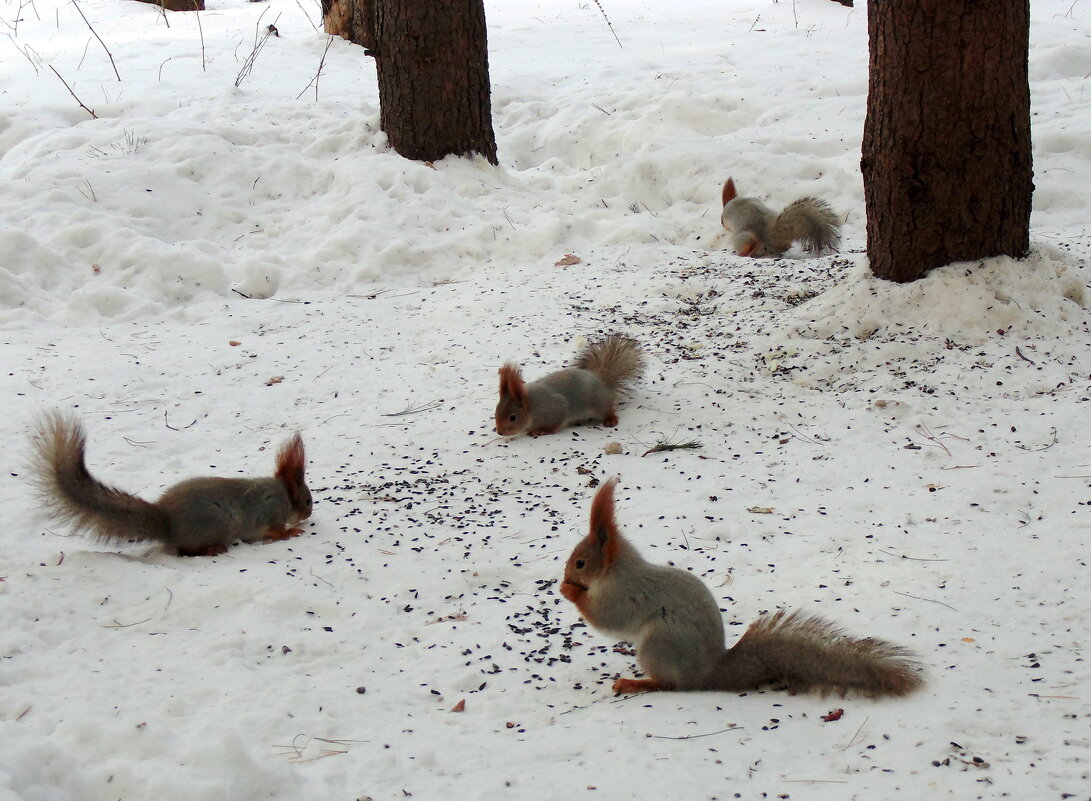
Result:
pixel 351 19
pixel 178 5
pixel 433 69
pixel 946 156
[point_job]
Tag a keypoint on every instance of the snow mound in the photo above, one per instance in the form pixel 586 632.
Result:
pixel 967 302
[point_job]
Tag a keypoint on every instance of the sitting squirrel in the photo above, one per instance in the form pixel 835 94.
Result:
pixel 586 391
pixel 198 517
pixel 675 622
pixel 757 231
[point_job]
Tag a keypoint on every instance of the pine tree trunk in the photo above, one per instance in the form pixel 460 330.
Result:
pixel 433 69
pixel 946 154
pixel 176 5
pixel 350 19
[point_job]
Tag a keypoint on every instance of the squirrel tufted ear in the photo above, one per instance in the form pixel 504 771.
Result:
pixel 511 384
pixel 292 464
pixel 729 192
pixel 604 530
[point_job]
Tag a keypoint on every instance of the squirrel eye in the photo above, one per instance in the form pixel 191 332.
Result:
pixel 512 418
pixel 580 564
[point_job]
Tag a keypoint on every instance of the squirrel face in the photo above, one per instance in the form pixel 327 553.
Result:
pixel 302 504
pixel 585 564
pixel 511 418
pixel 591 559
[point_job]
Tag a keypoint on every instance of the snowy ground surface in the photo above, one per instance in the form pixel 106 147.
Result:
pixel 206 267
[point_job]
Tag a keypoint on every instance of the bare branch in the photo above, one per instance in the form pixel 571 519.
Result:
pixel 104 47
pixel 317 75
pixel 69 88
pixel 200 30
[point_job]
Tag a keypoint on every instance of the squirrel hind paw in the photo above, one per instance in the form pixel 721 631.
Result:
pixel 274 535
pixel 633 686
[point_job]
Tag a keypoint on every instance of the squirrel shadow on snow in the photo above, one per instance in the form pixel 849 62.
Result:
pixel 197 517
pixel 675 623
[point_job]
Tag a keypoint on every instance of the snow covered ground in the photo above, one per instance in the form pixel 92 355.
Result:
pixel 207 267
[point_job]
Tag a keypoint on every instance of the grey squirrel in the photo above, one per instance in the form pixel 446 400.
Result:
pixel 675 622
pixel 586 391
pixel 756 230
pixel 197 517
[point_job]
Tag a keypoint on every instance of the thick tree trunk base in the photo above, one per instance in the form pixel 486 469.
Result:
pixel 946 156
pixel 433 69
pixel 177 5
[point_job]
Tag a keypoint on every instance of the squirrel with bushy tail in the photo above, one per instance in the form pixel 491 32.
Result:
pixel 587 391
pixel 675 623
pixel 197 517
pixel 757 230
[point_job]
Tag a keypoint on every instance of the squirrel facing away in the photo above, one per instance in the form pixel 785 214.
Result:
pixel 197 517
pixel 675 622
pixel 586 391
pixel 756 230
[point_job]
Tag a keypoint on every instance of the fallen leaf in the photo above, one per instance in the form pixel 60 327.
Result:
pixel 460 706
pixel 568 260
pixel 234 343
pixel 834 714
pixel 274 380
pixel 760 510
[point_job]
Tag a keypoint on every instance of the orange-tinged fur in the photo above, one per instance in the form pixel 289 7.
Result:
pixel 729 192
pixel 676 624
pixel 291 466
pixel 757 230
pixel 196 517
pixel 585 392
pixel 512 383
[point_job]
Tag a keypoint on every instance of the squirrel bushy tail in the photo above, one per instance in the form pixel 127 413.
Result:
pixel 805 653
pixel 809 220
pixel 616 360
pixel 72 494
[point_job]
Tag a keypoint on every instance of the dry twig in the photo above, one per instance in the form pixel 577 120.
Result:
pixel 201 31
pixel 666 445
pixel 318 74
pixel 608 25
pixel 69 88
pixel 259 43
pixel 415 408
pixel 104 47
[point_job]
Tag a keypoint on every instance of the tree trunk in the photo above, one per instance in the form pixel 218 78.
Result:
pixel 177 5
pixel 433 69
pixel 351 19
pixel 946 155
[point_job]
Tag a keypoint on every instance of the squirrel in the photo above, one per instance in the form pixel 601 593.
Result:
pixel 757 231
pixel 586 391
pixel 197 517
pixel 675 622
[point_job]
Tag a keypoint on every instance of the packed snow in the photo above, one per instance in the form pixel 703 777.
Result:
pixel 221 257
